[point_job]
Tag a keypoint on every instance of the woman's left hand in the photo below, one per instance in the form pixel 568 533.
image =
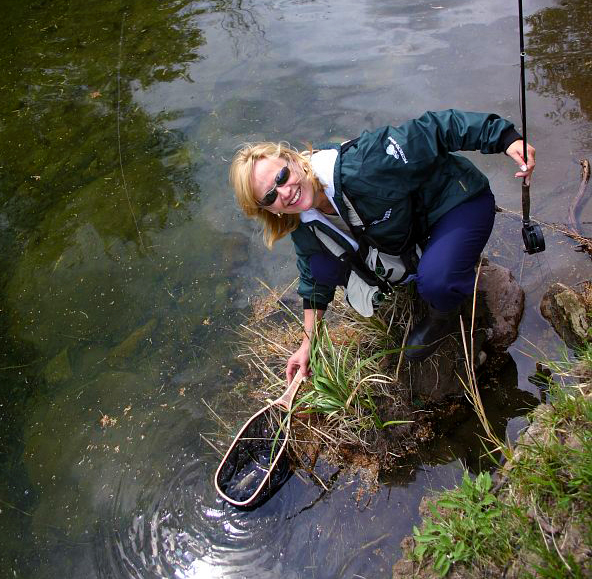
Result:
pixel 516 151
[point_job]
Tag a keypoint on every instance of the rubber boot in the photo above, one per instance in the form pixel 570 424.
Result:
pixel 426 336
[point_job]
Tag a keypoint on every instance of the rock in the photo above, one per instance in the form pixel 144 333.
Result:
pixel 504 299
pixel 537 434
pixel 566 310
pixel 499 308
pixel 439 376
pixel 132 343
pixel 58 368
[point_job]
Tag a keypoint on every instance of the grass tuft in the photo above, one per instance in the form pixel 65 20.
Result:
pixel 345 382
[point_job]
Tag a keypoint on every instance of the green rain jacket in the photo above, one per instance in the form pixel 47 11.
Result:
pixel 400 181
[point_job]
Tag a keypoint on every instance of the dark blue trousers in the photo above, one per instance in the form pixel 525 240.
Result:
pixel 446 272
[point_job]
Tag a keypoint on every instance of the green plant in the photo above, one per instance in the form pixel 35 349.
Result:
pixel 545 501
pixel 344 381
pixel 461 524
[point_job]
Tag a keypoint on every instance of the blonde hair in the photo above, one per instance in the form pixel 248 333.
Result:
pixel 241 179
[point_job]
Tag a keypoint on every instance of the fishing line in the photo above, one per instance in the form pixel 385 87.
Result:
pixel 129 202
pixel 540 269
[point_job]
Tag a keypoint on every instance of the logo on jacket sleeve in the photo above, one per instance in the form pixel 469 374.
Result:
pixel 394 149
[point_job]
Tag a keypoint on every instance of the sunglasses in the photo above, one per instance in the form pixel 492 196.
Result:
pixel 280 179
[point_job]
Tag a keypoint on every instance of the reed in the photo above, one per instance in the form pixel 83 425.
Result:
pixel 472 388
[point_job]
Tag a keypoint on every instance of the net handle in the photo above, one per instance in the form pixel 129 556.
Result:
pixel 286 399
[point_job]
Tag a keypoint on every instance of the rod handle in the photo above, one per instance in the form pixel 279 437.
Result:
pixel 525 202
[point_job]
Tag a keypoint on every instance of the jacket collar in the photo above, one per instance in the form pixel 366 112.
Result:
pixel 336 193
pixel 326 166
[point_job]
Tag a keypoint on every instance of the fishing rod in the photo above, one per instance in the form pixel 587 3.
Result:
pixel 532 234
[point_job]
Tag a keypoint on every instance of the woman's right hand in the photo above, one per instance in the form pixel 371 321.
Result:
pixel 516 151
pixel 298 360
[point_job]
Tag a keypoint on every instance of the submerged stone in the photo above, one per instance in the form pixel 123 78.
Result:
pixel 58 369
pixel 132 343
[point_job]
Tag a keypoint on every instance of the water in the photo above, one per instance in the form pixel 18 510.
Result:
pixel 125 265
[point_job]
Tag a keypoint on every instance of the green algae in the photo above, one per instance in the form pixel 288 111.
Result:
pixel 66 193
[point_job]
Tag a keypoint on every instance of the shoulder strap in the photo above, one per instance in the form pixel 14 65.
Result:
pixel 348 144
pixel 352 258
pixel 357 225
pixel 329 243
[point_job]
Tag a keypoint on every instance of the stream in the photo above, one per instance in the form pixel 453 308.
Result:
pixel 126 267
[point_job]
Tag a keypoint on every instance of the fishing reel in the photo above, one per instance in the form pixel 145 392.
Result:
pixel 532 234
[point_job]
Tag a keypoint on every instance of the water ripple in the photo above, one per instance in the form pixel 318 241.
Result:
pixel 185 530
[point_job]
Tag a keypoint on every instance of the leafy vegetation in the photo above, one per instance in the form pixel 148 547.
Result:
pixel 344 382
pixel 464 531
pixel 538 523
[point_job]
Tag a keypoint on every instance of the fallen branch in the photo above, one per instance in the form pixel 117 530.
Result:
pixel 585 177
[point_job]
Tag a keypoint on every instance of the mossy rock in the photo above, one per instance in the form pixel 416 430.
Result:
pixel 566 309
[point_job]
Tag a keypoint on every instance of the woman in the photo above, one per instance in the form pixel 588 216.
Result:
pixel 362 213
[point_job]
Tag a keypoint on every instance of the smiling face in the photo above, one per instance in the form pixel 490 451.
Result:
pixel 294 196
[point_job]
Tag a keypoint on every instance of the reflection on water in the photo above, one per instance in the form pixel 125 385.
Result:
pixel 560 45
pixel 111 281
pixel 123 260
